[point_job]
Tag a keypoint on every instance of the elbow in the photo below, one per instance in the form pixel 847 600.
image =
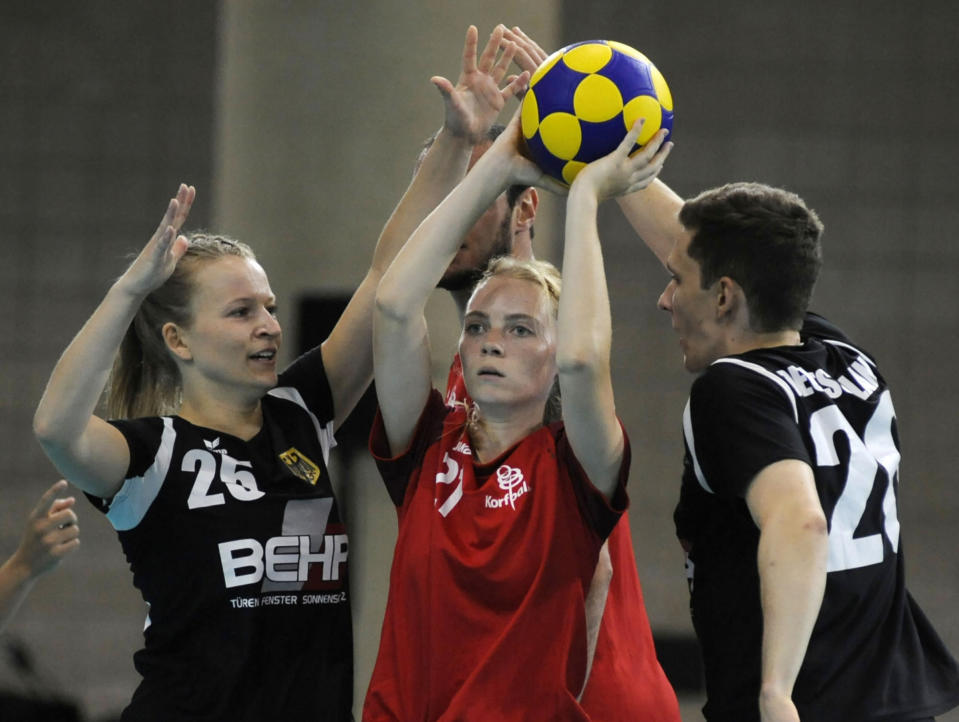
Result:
pixel 583 359
pixel 811 532
pixel 49 431
pixel 387 305
pixel 584 350
pixel 813 522
pixel 43 428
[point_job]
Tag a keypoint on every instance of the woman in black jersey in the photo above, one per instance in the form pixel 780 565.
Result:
pixel 213 472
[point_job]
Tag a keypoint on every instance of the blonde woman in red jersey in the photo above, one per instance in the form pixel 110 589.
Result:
pixel 502 507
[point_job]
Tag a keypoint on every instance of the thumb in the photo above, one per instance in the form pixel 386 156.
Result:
pixel 442 84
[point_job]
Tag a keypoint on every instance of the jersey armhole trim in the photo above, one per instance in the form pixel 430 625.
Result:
pixel 842 344
pixel 688 417
pixel 691 445
pixel 324 432
pixel 131 503
pixel 769 375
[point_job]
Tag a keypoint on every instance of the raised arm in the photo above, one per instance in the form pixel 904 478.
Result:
pixel 793 549
pixel 585 326
pixel 51 534
pixel 653 212
pixel 84 448
pixel 401 348
pixel 471 107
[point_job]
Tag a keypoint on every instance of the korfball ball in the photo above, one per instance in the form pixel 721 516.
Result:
pixel 584 98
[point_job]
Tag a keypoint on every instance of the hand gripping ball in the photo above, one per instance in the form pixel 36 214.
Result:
pixel 583 100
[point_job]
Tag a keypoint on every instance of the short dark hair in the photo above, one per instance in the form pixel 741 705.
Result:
pixel 764 238
pixel 512 193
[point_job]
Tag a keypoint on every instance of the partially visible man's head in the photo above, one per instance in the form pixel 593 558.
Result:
pixel 492 234
pixel 764 238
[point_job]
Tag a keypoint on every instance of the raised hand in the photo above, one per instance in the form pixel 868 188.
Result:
pixel 159 257
pixel 51 532
pixel 619 172
pixel 475 101
pixel 529 55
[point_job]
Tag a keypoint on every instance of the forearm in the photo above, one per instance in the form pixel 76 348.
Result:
pixel 585 326
pixel 792 570
pixel 443 166
pixel 653 212
pixel 420 264
pixel 81 373
pixel 584 336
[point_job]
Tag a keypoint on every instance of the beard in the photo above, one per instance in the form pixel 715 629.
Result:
pixel 465 278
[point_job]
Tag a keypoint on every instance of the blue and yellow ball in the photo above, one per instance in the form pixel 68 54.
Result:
pixel 583 100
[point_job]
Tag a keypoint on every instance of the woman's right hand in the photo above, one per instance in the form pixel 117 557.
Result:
pixel 155 263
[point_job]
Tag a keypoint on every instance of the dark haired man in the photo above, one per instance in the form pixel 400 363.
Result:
pixel 788 505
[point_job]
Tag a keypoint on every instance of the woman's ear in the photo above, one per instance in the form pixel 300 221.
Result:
pixel 176 341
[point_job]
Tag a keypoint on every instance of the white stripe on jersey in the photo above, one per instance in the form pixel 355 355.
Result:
pixel 131 503
pixel 691 445
pixel 768 374
pixel 855 350
pixel 687 414
pixel 323 433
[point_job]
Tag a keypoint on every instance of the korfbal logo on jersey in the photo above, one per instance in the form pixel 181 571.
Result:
pixel 511 481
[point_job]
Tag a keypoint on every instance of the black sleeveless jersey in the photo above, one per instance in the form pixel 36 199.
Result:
pixel 240 551
pixel 872 654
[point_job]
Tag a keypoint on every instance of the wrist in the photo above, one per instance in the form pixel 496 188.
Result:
pixel 455 139
pixel 16 569
pixel 774 691
pixel 584 193
pixel 128 290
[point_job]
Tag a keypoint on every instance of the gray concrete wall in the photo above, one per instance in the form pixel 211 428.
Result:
pixel 299 123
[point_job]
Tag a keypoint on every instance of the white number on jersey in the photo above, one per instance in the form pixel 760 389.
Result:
pixel 238 481
pixel 448 477
pixel 875 449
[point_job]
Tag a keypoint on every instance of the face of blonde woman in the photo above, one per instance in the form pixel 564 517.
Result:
pixel 233 338
pixel 508 344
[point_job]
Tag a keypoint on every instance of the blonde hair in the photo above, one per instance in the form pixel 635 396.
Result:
pixel 545 275
pixel 145 381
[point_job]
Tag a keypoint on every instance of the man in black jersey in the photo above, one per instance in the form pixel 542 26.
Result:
pixel 788 505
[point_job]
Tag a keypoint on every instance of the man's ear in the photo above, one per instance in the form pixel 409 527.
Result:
pixel 522 217
pixel 176 341
pixel 731 301
pixel 525 207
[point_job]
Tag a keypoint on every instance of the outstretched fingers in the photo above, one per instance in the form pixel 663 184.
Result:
pixel 487 59
pixel 516 86
pixel 184 198
pixel 469 50
pixel 645 164
pixel 529 55
pixel 43 506
pixel 498 71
